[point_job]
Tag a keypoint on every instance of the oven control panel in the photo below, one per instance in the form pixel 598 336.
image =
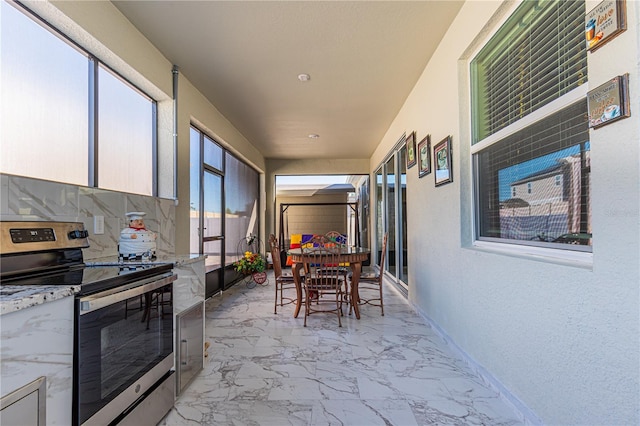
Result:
pixel 21 237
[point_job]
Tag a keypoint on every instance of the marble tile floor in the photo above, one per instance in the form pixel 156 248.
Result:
pixel 266 369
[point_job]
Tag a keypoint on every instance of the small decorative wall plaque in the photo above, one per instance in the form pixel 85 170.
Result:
pixel 604 22
pixel 424 156
pixel 411 150
pixel 442 161
pixel 609 102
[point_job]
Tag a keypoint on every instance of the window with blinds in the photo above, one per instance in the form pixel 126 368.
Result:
pixel 538 55
pixel 532 186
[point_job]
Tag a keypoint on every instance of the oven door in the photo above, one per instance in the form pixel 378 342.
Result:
pixel 124 346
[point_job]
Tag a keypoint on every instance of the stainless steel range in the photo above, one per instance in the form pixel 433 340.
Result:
pixel 123 336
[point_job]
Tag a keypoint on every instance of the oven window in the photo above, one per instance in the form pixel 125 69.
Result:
pixel 128 346
pixel 118 344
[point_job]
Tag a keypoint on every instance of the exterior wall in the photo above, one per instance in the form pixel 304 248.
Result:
pixel 560 335
pixel 543 191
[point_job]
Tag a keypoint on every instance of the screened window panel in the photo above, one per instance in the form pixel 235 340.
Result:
pixel 212 205
pixel 242 193
pixel 194 188
pixel 212 153
pixel 125 136
pixel 44 102
pixel 536 57
pixel 47 117
pixel 534 184
pixel 213 250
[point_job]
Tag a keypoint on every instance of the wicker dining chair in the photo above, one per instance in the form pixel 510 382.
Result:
pixel 284 279
pixel 372 281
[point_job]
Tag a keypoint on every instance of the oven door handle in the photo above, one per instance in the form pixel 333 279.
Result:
pixel 100 300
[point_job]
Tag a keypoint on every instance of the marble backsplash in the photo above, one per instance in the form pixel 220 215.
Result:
pixel 38 200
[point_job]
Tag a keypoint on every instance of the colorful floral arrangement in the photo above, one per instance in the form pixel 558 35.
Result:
pixel 250 263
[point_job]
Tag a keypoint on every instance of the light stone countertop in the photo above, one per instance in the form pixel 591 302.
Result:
pixel 18 297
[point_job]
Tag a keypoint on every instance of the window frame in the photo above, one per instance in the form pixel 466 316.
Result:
pixel 401 273
pixel 555 254
pixel 92 110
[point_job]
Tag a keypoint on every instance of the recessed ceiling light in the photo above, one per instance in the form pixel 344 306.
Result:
pixel 304 77
pixel 314 136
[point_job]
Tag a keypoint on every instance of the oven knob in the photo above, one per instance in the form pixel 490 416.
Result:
pixel 137 388
pixel 78 234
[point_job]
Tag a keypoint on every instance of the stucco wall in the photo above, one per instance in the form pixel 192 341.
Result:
pixel 562 336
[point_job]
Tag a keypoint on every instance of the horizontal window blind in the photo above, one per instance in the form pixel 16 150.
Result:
pixel 536 57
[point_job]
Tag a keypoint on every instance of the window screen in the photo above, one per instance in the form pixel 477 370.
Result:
pixel 242 195
pixel 44 102
pixel 534 184
pixel 49 114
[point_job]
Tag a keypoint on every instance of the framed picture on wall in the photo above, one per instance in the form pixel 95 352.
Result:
pixel 604 22
pixel 411 149
pixel 442 161
pixel 609 101
pixel 424 156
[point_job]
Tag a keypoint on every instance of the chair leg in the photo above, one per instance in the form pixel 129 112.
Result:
pixel 306 307
pixel 381 301
pixel 275 304
pixel 339 307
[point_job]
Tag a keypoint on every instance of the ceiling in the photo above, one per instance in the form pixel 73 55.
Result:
pixel 363 59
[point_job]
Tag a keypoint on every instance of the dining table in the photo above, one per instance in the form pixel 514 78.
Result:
pixel 351 255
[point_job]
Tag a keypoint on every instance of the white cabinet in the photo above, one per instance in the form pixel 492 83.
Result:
pixel 38 342
pixel 26 406
pixel 189 344
pixel 188 305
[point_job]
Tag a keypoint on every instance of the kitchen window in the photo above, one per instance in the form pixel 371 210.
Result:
pixel 126 130
pixel 530 130
pixel 67 117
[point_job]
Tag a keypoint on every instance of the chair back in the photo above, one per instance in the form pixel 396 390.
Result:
pixel 321 264
pixel 275 255
pixel 337 238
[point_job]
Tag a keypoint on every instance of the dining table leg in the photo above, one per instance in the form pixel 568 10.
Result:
pixel 356 267
pixel 296 267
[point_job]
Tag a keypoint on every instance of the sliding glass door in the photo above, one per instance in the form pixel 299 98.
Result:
pixel 391 213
